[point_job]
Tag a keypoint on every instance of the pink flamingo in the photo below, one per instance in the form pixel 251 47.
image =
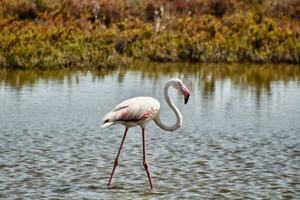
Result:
pixel 139 111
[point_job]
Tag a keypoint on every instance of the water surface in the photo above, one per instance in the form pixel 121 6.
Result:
pixel 239 139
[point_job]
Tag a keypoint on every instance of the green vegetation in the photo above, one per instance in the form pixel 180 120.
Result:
pixel 47 34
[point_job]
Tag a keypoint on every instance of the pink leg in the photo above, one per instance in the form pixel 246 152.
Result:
pixel 117 158
pixel 145 160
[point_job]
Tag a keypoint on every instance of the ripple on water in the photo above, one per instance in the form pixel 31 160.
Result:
pixel 232 145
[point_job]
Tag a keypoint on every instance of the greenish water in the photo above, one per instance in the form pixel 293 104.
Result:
pixel 239 139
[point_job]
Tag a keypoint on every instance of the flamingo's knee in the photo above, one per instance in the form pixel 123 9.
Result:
pixel 116 162
pixel 145 165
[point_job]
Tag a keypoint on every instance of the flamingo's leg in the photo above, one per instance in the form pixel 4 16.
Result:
pixel 145 160
pixel 117 158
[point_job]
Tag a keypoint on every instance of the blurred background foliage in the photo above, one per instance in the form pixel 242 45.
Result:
pixel 47 34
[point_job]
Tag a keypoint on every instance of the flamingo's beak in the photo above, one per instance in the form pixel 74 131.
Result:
pixel 186 99
pixel 186 93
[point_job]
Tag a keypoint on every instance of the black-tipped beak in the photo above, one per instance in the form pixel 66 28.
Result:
pixel 186 99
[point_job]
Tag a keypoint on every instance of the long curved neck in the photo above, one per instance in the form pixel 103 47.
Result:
pixel 178 122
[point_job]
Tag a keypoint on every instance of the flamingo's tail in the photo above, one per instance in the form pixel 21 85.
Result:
pixel 108 120
pixel 107 124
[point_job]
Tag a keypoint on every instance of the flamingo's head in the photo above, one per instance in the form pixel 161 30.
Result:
pixel 179 85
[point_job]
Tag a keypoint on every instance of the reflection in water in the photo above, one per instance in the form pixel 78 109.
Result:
pixel 20 78
pixel 244 76
pixel 257 78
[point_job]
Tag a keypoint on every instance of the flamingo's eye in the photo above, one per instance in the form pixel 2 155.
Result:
pixel 106 121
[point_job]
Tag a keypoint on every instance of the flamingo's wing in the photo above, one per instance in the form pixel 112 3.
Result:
pixel 132 110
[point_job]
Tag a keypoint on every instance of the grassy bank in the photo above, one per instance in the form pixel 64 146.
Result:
pixel 103 34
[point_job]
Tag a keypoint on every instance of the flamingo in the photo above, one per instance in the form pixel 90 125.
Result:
pixel 139 111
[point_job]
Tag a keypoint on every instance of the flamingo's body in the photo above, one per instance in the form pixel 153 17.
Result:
pixel 133 112
pixel 140 110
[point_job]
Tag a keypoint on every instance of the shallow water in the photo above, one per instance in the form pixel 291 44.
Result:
pixel 239 139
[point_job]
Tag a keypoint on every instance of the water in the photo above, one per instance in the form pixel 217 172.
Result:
pixel 239 139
